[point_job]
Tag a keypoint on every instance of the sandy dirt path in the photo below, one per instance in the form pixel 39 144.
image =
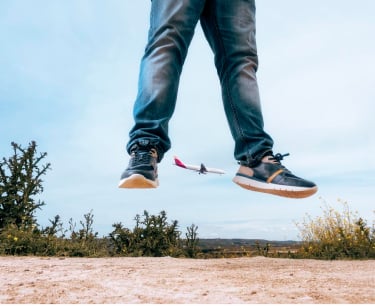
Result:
pixel 171 280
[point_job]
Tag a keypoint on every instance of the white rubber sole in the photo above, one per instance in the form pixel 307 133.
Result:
pixel 275 189
pixel 138 181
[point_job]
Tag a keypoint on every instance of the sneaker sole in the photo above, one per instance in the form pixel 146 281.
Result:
pixel 138 181
pixel 280 190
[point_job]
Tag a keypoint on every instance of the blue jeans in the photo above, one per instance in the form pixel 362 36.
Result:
pixel 229 27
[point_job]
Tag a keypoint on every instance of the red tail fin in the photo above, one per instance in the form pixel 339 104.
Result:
pixel 179 163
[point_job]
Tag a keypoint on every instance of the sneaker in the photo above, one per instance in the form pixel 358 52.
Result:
pixel 270 176
pixel 142 169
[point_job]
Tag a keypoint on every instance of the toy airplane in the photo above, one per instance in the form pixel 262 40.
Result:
pixel 200 169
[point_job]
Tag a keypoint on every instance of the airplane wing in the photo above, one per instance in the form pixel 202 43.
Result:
pixel 201 169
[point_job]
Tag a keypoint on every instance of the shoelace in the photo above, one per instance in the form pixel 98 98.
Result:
pixel 279 157
pixel 142 157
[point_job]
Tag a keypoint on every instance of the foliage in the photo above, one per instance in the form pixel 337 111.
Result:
pixel 334 235
pixel 151 236
pixel 52 241
pixel 191 243
pixel 20 181
pixel 337 235
pixel 18 241
pixel 262 250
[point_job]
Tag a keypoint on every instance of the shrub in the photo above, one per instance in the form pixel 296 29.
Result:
pixel 151 236
pixel 19 241
pixel 337 235
pixel 191 242
pixel 52 240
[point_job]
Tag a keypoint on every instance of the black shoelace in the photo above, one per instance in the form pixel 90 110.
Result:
pixel 141 157
pixel 279 157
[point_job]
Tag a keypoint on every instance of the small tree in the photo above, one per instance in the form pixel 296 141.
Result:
pixel 192 240
pixel 20 181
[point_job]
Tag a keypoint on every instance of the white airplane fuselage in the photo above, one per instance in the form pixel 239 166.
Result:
pixel 202 169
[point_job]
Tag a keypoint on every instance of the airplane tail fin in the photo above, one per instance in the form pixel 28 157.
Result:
pixel 203 169
pixel 179 163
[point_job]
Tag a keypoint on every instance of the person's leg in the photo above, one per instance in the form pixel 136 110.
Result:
pixel 229 26
pixel 172 25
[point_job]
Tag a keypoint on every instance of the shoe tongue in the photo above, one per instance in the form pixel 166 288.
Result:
pixel 154 152
pixel 269 159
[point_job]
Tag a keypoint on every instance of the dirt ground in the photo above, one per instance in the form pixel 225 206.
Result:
pixel 177 281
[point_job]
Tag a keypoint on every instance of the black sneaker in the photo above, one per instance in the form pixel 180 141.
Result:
pixel 142 170
pixel 270 176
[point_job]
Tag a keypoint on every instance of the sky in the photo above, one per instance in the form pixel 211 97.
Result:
pixel 68 80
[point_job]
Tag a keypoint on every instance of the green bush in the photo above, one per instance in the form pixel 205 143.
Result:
pixel 19 241
pixel 52 241
pixel 151 236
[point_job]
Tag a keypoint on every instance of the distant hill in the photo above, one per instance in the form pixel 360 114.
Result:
pixel 238 242
pixel 247 247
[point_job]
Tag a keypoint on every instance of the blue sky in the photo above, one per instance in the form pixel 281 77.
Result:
pixel 68 79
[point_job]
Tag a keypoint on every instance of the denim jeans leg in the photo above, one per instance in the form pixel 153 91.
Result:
pixel 172 25
pixel 229 26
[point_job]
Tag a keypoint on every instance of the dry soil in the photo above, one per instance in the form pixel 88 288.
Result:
pixel 171 280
